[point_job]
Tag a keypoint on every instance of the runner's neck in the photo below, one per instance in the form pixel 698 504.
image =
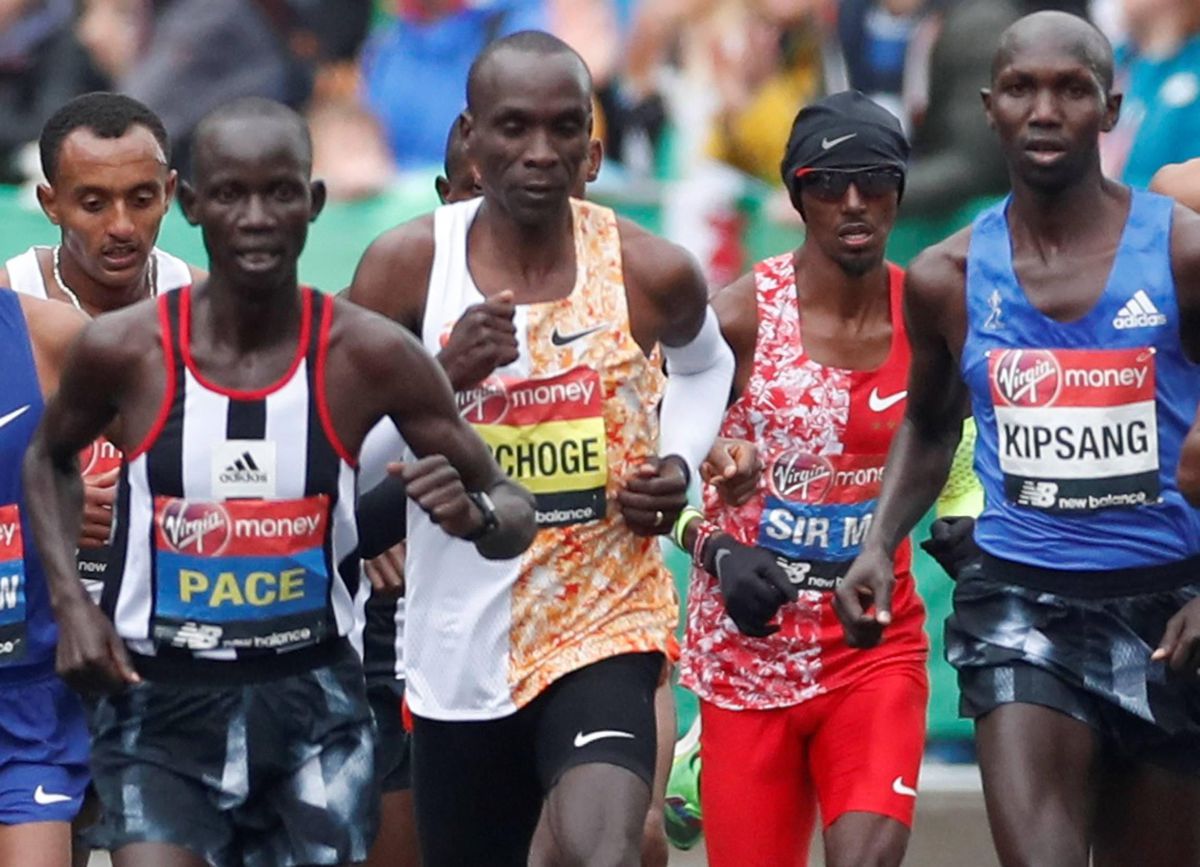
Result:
pixel 532 251
pixel 95 297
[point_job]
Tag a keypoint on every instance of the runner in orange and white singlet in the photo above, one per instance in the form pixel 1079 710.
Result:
pixel 536 677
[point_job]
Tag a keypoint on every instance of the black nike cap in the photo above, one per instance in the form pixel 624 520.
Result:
pixel 843 131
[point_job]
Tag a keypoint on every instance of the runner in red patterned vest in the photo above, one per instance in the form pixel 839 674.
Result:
pixel 792 718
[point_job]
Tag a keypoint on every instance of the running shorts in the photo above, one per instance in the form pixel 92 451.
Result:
pixel 393 743
pixel 1086 657
pixel 479 786
pixel 764 773
pixel 277 773
pixel 43 752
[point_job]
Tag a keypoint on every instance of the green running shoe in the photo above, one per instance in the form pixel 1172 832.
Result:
pixel 682 813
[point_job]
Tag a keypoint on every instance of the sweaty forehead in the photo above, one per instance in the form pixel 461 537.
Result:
pixel 83 153
pixel 512 76
pixel 1054 50
pixel 251 144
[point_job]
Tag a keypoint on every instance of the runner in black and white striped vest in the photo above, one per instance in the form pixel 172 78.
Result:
pixel 240 406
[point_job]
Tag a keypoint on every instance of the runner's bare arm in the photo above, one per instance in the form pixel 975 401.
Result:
pixel 410 388
pixel 668 305
pixel 923 448
pixel 1185 263
pixel 1180 181
pixel 53 328
pixel 733 466
pixel 91 658
pixel 392 277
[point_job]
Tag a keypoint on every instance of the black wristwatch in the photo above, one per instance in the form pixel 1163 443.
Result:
pixel 488 510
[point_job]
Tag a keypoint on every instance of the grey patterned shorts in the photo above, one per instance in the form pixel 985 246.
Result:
pixel 268 774
pixel 1088 658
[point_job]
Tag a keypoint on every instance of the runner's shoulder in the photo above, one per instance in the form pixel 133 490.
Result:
pixel 122 337
pixel 394 266
pixel 53 325
pixel 1185 239
pixel 371 343
pixel 659 267
pixel 940 271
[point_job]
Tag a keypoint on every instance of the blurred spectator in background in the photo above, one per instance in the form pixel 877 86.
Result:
pixel 185 57
pixel 415 67
pixel 875 37
pixel 41 67
pixel 767 66
pixel 1159 73
pixel 754 63
pixel 956 158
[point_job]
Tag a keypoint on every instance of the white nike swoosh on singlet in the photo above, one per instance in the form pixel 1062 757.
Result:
pixel 582 740
pixel 47 798
pixel 900 789
pixel 16 413
pixel 882 404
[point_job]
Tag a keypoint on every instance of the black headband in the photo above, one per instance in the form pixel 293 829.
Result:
pixel 843 131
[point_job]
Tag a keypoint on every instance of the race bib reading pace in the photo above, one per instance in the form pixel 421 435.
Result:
pixel 548 434
pixel 12 586
pixel 816 514
pixel 243 574
pixel 1076 428
pixel 98 458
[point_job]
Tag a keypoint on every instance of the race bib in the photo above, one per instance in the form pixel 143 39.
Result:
pixel 548 434
pixel 99 457
pixel 243 574
pixel 816 512
pixel 1076 429
pixel 12 586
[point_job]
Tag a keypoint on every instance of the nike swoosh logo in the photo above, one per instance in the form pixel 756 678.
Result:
pixel 882 404
pixel 582 740
pixel 563 339
pixel 721 555
pixel 46 798
pixel 16 413
pixel 900 789
pixel 827 143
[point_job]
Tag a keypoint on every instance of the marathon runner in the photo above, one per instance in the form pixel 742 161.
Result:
pixel 43 731
pixel 534 680
pixel 1063 315
pixel 105 157
pixel 792 719
pixel 231 724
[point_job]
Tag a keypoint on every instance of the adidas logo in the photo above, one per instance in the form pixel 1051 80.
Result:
pixel 1139 312
pixel 243 471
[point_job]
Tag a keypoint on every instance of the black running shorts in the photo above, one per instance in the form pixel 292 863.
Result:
pixel 1088 658
pixel 278 773
pixel 393 745
pixel 479 786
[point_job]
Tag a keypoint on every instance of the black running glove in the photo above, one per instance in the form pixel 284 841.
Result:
pixel 753 585
pixel 952 543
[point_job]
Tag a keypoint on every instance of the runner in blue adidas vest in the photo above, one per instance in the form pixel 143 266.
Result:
pixel 1067 318
pixel 43 734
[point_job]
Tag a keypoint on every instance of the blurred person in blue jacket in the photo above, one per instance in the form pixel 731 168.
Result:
pixel 1159 73
pixel 415 67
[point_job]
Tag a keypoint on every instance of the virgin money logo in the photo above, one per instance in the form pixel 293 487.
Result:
pixel 486 403
pixel 1028 377
pixel 196 528
pixel 99 454
pixel 801 478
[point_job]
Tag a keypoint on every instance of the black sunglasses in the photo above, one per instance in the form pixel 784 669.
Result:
pixel 829 185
